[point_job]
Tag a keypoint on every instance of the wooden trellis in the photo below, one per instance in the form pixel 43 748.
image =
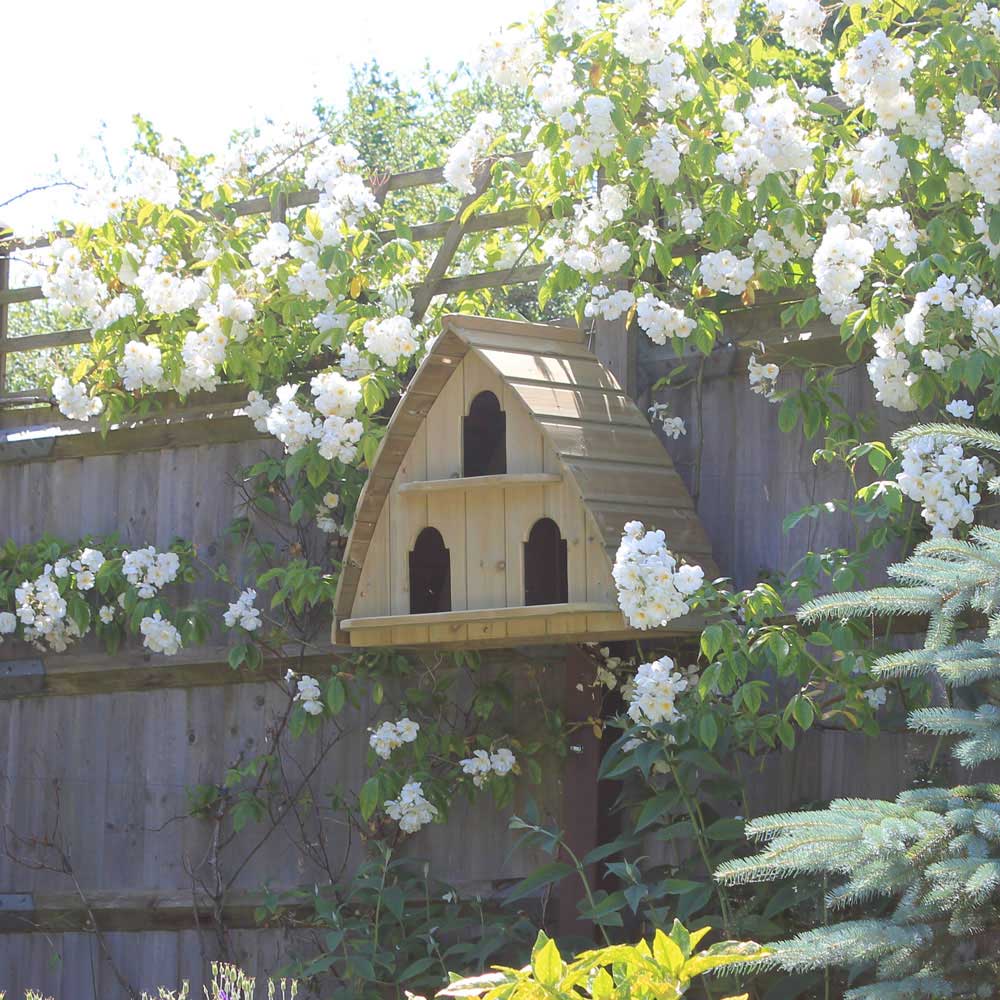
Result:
pixel 450 232
pixel 744 328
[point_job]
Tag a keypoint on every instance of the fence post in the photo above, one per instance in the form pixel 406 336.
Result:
pixel 4 288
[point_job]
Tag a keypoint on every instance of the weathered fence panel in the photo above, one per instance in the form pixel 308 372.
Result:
pixel 109 745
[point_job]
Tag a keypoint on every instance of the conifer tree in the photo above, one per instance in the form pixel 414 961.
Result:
pixel 930 861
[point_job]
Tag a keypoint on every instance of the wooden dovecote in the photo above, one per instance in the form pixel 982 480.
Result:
pixel 496 501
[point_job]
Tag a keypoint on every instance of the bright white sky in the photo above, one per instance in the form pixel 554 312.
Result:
pixel 199 68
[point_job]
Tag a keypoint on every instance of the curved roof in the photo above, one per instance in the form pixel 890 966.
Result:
pixel 605 443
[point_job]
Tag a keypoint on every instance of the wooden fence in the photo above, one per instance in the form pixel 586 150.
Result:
pixel 107 745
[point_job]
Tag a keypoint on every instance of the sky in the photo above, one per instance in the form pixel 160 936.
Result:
pixel 199 68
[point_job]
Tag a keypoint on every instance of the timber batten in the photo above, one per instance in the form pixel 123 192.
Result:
pixel 579 453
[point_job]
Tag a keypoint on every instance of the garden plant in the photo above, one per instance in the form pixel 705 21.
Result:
pixel 834 167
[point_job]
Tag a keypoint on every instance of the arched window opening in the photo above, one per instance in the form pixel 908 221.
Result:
pixel 545 576
pixel 484 438
pixel 430 574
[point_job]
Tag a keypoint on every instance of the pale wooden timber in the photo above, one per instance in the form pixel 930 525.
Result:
pixel 479 614
pixel 505 481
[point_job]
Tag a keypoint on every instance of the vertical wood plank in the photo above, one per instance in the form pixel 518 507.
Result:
pixel 372 596
pixel 600 585
pixel 4 311
pixel 564 506
pixel 524 439
pixel 444 429
pixel 579 784
pixel 523 506
pixel 103 483
pixel 486 549
pixel 446 511
pixel 64 515
pixel 407 517
pixel 126 782
pixel 142 473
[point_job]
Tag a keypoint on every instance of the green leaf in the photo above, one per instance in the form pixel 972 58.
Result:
pixel 655 807
pixel 704 761
pixel 994 229
pixel 368 798
pixel 786 897
pixel 803 711
pixel 237 655
pixel 317 471
pixel 394 900
pixel 78 611
pixel 416 968
pixel 680 936
pixel 679 886
pixel 711 641
pixel 546 875
pixel 725 829
pixel 788 414
pixel 294 464
pixel 336 695
pixel 786 734
pixel 708 730
pixel 603 986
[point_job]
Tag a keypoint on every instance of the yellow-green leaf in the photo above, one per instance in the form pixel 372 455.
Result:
pixel 546 964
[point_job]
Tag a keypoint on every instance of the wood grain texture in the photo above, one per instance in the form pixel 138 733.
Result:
pixel 567 416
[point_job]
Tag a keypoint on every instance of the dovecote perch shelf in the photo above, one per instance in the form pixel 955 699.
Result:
pixel 497 498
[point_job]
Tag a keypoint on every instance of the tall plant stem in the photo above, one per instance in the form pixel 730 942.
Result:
pixel 697 821
pixel 586 885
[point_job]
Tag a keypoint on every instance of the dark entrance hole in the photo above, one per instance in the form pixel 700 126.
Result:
pixel 545 576
pixel 484 438
pixel 430 574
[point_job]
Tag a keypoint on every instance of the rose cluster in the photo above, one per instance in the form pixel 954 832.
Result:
pixel 483 763
pixel 391 735
pixel 652 588
pixel 148 570
pixel 307 692
pixel 653 693
pixel 937 474
pixel 411 810
pixel 337 434
pixel 242 612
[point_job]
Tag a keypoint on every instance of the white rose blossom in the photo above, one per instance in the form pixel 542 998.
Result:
pixel 411 810
pixel 653 693
pixel 652 588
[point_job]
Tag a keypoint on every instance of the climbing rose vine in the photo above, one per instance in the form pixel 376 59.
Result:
pixel 845 157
